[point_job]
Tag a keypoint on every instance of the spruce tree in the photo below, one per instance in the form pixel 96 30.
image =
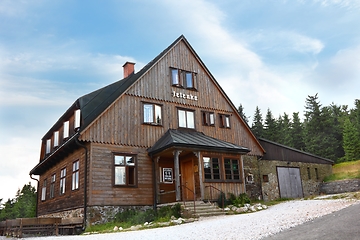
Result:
pixel 270 131
pixel 351 141
pixel 297 133
pixel 242 114
pixel 257 125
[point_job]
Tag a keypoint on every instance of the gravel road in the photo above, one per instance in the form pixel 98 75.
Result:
pixel 255 225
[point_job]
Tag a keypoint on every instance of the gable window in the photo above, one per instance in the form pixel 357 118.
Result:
pixel 211 168
pixel 183 79
pixel 208 118
pixel 175 77
pixel 62 180
pixel 77 119
pixel 48 146
pixel 224 121
pixel 152 113
pixel 124 170
pixel 75 176
pixel 56 138
pixel 232 170
pixel 186 118
pixel 43 191
pixel 66 129
pixel 52 186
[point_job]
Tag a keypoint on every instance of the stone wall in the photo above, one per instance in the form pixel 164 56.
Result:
pixel 103 214
pixel 252 177
pixel 342 186
pixel 311 174
pixel 73 213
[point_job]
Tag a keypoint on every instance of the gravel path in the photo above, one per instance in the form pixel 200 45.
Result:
pixel 255 225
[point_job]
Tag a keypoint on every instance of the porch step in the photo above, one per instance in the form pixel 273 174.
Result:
pixel 202 209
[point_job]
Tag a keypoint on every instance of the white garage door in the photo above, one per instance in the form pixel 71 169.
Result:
pixel 289 182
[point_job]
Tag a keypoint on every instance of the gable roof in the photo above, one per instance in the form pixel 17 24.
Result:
pixel 195 140
pixel 277 151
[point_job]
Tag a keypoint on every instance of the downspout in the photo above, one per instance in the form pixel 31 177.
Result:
pixel 85 179
pixel 37 194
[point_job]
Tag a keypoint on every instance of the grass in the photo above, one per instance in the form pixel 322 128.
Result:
pixel 345 170
pixel 132 217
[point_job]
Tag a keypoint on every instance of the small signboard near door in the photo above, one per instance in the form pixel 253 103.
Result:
pixel 167 175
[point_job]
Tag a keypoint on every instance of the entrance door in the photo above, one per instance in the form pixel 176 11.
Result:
pixel 187 179
pixel 289 182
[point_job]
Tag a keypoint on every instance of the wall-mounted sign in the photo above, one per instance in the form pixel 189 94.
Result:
pixel 167 175
pixel 184 96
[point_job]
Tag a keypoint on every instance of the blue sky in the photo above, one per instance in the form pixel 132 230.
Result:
pixel 266 53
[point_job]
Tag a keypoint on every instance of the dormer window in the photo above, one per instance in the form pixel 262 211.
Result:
pixel 77 119
pixel 56 138
pixel 66 129
pixel 48 146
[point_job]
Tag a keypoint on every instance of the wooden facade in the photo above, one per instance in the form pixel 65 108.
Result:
pixel 128 157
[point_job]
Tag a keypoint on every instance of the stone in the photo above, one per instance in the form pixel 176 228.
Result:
pixel 252 209
pixel 241 210
pixel 116 228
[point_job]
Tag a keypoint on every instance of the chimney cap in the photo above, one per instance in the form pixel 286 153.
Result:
pixel 128 63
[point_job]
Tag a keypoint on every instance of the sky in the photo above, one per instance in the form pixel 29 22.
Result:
pixel 266 53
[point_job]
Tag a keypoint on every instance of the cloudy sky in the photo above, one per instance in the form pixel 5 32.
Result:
pixel 266 53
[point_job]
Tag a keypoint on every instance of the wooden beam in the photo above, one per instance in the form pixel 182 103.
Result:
pixel 177 174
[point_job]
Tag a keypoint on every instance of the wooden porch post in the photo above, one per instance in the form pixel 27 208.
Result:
pixel 200 166
pixel 177 174
pixel 157 180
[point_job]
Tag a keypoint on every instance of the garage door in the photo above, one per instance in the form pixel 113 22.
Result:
pixel 289 182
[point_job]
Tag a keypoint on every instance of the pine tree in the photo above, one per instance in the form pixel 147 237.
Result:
pixel 351 141
pixel 257 125
pixel 285 130
pixel 270 129
pixel 242 114
pixel 297 133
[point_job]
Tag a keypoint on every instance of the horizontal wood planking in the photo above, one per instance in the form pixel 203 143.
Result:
pixel 101 188
pixel 213 194
pixel 51 205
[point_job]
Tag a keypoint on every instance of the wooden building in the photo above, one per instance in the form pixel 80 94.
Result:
pixel 163 134
pixel 166 133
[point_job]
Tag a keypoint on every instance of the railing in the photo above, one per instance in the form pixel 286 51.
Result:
pixel 193 194
pixel 222 194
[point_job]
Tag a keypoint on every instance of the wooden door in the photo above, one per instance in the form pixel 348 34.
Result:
pixel 187 179
pixel 289 182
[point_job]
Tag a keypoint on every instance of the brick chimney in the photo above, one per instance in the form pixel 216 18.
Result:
pixel 128 69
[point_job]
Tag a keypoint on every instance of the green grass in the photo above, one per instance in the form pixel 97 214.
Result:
pixel 345 170
pixel 132 217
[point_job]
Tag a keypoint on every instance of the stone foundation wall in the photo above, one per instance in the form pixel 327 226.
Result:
pixel 340 186
pixel 252 177
pixel 103 214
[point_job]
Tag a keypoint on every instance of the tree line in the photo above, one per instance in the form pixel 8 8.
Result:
pixel 331 132
pixel 22 206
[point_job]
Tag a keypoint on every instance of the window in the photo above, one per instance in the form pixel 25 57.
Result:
pixel 224 121
pixel 62 180
pixel 265 178
pixel 124 170
pixel 308 172
pixel 208 118
pixel 175 77
pixel 77 119
pixel 186 118
pixel 152 113
pixel 232 171
pixel 43 191
pixel 56 138
pixel 183 79
pixel 52 186
pixel 66 129
pixel 211 168
pixel 75 176
pixel 48 146
pixel 316 174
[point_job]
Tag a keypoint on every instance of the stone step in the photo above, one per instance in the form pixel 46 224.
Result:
pixel 203 209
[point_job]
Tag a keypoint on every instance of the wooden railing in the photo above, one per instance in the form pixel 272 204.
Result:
pixel 37 226
pixel 222 195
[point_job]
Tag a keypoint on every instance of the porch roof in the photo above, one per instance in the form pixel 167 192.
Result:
pixel 185 138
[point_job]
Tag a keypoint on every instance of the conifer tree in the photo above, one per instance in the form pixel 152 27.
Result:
pixel 257 125
pixel 242 114
pixel 296 131
pixel 270 131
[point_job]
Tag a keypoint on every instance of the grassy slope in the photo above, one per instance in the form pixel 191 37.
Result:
pixel 345 170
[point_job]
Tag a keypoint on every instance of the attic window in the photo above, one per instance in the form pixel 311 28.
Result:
pixel 66 129
pixel 56 138
pixel 208 118
pixel 183 79
pixel 48 146
pixel 77 119
pixel 224 121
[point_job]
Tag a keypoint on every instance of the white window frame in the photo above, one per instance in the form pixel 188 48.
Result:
pixel 62 181
pixel 48 146
pixel 77 114
pixel 75 176
pixel 43 191
pixel 56 138
pixel 186 118
pixel 66 129
pixel 152 113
